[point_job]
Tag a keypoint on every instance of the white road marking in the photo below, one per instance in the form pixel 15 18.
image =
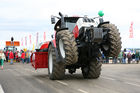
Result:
pixel 82 91
pixel 30 70
pixel 108 78
pixel 1 89
pixel 40 81
pixel 16 72
pixel 132 84
pixel 105 89
pixel 62 82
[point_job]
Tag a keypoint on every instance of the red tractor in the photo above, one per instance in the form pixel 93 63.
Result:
pixel 78 43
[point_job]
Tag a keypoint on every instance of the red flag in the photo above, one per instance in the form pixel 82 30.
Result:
pixel 30 39
pixel 37 38
pixel 25 40
pixel 21 41
pixel 131 30
pixel 44 36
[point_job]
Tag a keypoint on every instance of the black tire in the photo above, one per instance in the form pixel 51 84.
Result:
pixel 58 69
pixel 69 47
pixel 92 70
pixel 113 41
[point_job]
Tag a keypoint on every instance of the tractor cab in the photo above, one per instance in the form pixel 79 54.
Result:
pixel 69 22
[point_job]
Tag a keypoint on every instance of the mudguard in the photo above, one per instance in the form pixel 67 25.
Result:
pixel 107 22
pixel 58 58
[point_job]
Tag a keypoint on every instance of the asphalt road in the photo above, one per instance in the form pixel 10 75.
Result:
pixel 115 78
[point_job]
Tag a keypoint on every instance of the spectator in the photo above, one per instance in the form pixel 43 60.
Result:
pixel 103 58
pixel 115 60
pixel 19 56
pixel 11 57
pixel 23 57
pixel 27 56
pixel 129 56
pixel 7 55
pixel 124 57
pixel 120 57
pixel 137 56
pixel 2 58
pixel 133 58
pixel 16 55
pixel 107 59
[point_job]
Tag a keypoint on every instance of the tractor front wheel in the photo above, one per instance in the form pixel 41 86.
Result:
pixel 66 46
pixel 92 70
pixel 112 46
pixel 56 70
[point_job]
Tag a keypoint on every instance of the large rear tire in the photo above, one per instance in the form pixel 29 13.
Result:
pixel 56 70
pixel 92 70
pixel 66 46
pixel 112 46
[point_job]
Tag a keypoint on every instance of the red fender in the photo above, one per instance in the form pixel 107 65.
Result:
pixel 76 31
pixel 45 45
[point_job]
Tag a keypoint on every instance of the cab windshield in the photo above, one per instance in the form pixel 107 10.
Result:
pixel 71 22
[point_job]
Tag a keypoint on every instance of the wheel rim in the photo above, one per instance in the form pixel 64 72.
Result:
pixel 106 47
pixel 50 62
pixel 61 48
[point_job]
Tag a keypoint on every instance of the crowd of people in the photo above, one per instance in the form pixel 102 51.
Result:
pixel 19 56
pixel 22 56
pixel 130 57
pixel 123 58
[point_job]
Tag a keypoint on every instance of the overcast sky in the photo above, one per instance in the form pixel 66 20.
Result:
pixel 20 18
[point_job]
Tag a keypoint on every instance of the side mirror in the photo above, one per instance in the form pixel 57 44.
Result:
pixel 52 19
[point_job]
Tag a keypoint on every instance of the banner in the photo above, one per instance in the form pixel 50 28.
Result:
pixel 25 40
pixel 21 41
pixel 131 30
pixel 30 39
pixel 44 36
pixel 33 47
pixel 37 38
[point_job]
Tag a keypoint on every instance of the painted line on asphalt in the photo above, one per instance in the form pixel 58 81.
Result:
pixel 1 89
pixel 62 82
pixel 105 89
pixel 30 70
pixel 83 91
pixel 40 81
pixel 108 78
pixel 132 84
pixel 16 72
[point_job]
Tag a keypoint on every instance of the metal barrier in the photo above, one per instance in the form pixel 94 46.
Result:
pixel 39 60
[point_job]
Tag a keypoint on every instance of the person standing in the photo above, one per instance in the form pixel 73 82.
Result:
pixel 115 60
pixel 133 58
pixel 137 55
pixel 11 57
pixel 7 55
pixel 19 56
pixel 2 58
pixel 124 57
pixel 23 57
pixel 129 56
pixel 107 60
pixel 103 58
pixel 120 57
pixel 27 56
